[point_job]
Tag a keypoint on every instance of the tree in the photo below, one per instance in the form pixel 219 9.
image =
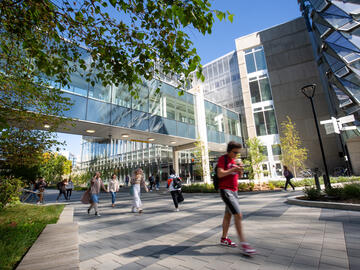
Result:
pixel 22 151
pixel 293 155
pixel 255 156
pixel 54 167
pixel 42 43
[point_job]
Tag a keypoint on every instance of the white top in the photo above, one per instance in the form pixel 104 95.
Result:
pixel 171 186
pixel 70 185
pixel 113 185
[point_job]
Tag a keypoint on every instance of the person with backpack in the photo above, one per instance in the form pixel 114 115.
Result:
pixel 174 186
pixel 62 189
pixel 288 175
pixel 151 182
pixel 95 185
pixel 226 180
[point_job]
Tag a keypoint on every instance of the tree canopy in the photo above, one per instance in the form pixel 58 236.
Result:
pixel 40 43
pixel 293 155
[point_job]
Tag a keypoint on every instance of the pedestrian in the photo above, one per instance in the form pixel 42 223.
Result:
pixel 62 189
pixel 113 188
pixel 174 185
pixel 157 181
pixel 151 182
pixel 127 180
pixel 40 186
pixel 288 175
pixel 69 188
pixel 228 173
pixel 33 190
pixel 137 180
pixel 95 185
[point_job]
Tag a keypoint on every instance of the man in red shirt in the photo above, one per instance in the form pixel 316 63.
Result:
pixel 228 172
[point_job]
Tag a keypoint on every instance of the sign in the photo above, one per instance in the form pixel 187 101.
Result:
pixel 346 119
pixel 334 125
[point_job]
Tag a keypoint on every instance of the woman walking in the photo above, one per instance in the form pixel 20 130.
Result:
pixel 137 180
pixel 62 189
pixel 113 188
pixel 69 188
pixel 96 184
pixel 288 175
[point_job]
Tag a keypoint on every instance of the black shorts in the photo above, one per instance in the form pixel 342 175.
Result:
pixel 231 200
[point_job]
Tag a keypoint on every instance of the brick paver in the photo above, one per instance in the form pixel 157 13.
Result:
pixel 286 236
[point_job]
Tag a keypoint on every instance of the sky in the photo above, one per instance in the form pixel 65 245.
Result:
pixel 249 16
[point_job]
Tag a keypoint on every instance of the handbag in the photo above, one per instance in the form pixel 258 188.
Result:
pixel 132 190
pixel 85 198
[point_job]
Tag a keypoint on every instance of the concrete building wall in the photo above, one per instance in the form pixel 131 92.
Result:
pixel 291 65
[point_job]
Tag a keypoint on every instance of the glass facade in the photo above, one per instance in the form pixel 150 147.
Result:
pixel 336 37
pixel 222 86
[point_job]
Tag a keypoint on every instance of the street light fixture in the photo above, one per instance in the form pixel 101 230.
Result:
pixel 309 92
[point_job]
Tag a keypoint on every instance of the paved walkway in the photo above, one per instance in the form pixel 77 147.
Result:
pixel 286 236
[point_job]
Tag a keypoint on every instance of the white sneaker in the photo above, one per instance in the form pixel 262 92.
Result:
pixel 177 209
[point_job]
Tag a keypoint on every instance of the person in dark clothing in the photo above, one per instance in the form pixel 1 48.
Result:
pixel 175 191
pixel 157 181
pixel 288 175
pixel 151 182
pixel 62 189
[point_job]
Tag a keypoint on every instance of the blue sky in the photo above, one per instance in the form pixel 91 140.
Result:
pixel 249 16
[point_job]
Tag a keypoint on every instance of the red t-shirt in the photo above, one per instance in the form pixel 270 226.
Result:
pixel 230 181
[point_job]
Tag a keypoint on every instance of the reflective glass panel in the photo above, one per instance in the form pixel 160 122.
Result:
pixel 255 93
pixel 271 122
pixel 276 149
pixel 265 89
pixel 250 63
pixel 260 123
pixel 260 60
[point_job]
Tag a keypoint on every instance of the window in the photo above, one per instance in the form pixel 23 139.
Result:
pixel 265 122
pixel 255 59
pixel 263 150
pixel 260 89
pixel 276 149
pixel 260 124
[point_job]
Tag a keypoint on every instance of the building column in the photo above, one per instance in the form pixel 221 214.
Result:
pixel 176 161
pixel 200 121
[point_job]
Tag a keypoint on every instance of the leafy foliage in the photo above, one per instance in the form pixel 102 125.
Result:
pixel 54 166
pixel 10 189
pixel 312 193
pixel 22 151
pixel 352 191
pixel 293 155
pixel 255 157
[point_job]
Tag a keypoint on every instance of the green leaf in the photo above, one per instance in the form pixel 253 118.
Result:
pixel 231 17
pixel 113 2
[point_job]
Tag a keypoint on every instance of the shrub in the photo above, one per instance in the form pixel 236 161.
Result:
pixel 199 188
pixel 312 193
pixel 336 193
pixel 278 184
pixel 271 186
pixel 352 191
pixel 251 186
pixel 10 190
pixel 242 187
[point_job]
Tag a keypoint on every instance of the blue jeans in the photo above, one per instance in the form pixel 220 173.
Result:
pixel 113 197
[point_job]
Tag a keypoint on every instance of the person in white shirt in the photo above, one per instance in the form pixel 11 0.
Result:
pixel 69 188
pixel 113 188
pixel 175 189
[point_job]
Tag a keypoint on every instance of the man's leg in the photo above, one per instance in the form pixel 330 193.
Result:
pixel 226 224
pixel 174 197
pixel 238 226
pixel 286 184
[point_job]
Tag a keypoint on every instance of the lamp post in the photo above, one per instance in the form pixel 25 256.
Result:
pixel 309 92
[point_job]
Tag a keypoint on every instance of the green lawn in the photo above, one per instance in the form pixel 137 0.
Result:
pixel 20 225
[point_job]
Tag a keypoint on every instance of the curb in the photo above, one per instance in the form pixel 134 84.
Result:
pixel 57 246
pixel 331 205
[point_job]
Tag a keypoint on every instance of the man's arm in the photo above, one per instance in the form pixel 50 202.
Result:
pixel 222 172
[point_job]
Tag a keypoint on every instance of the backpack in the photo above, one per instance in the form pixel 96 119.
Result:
pixel 177 182
pixel 59 186
pixel 215 177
